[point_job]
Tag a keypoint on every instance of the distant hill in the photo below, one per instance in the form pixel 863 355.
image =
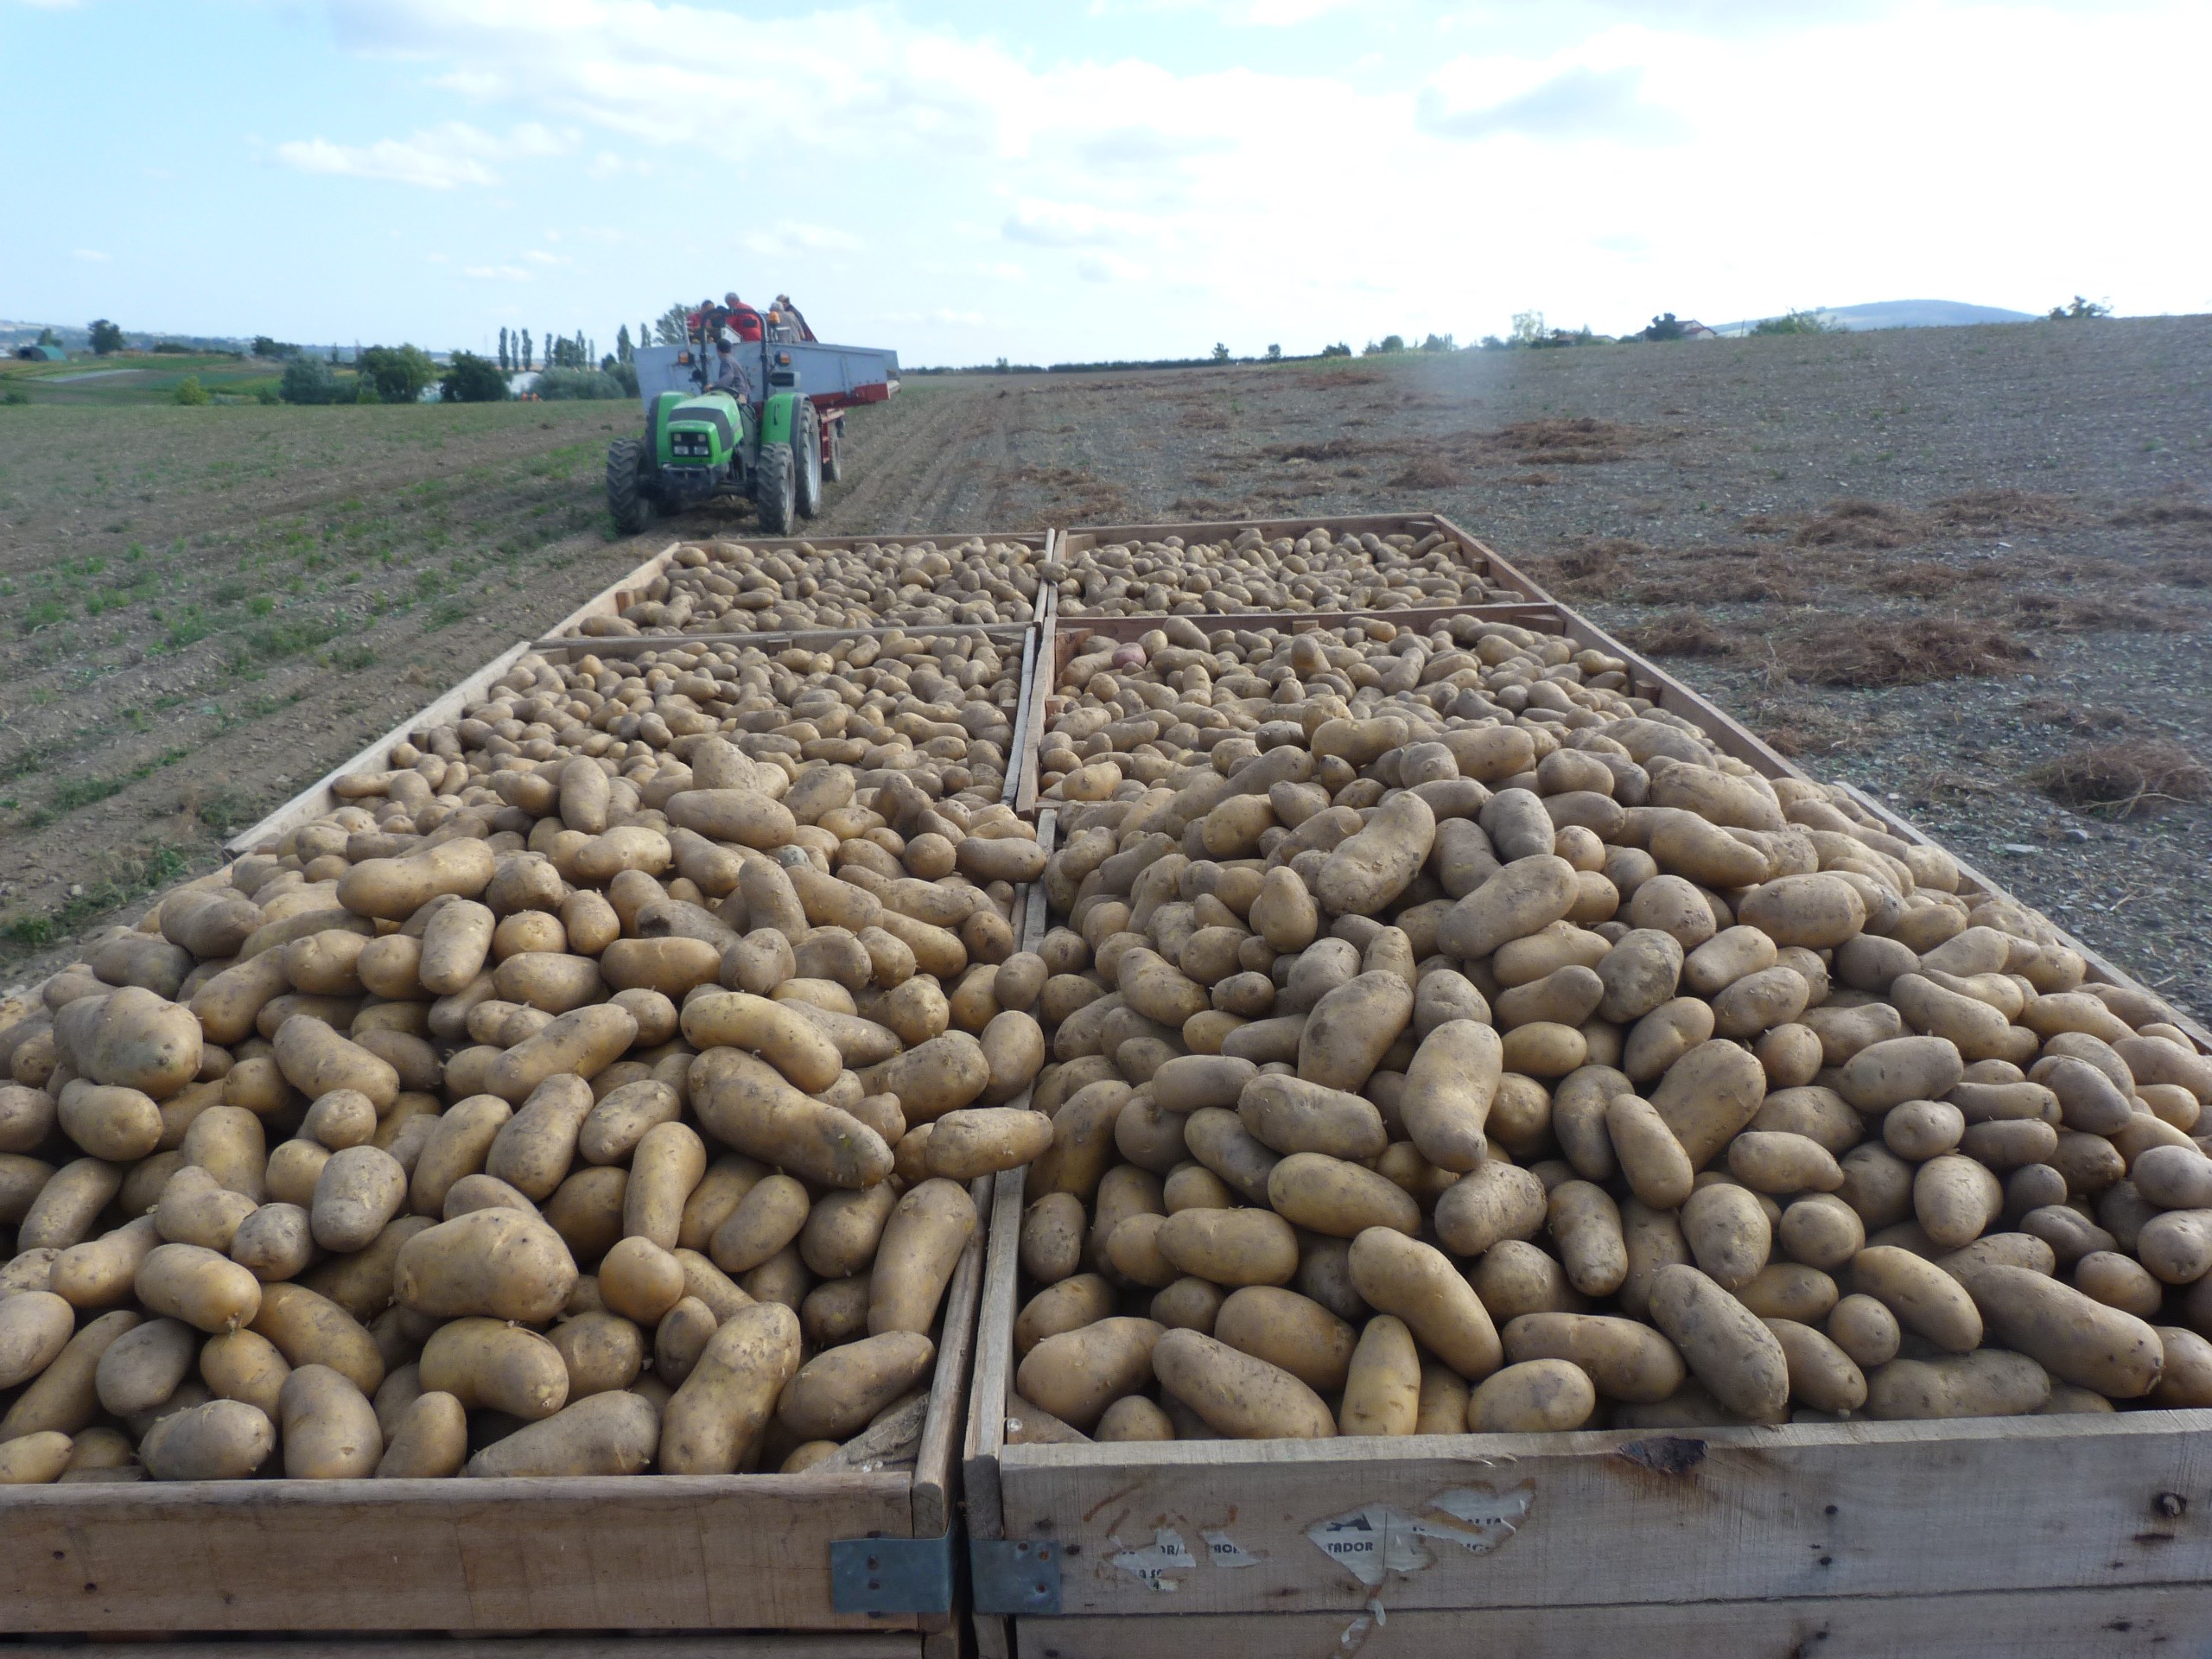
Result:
pixel 1902 314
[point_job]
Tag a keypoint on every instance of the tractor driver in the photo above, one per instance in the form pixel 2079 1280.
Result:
pixel 729 373
pixel 741 317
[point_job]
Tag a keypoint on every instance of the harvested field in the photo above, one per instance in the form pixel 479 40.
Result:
pixel 2042 488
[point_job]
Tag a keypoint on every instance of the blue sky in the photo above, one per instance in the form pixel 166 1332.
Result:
pixel 966 181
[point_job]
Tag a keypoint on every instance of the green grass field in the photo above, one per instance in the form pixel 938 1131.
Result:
pixel 136 378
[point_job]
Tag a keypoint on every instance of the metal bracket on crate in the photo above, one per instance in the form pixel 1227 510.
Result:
pixel 890 1575
pixel 1014 1575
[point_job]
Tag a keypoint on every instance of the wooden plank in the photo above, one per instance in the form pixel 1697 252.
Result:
pixel 1511 574
pixel 935 1474
pixel 2101 1623
pixel 670 1552
pixel 613 598
pixel 750 1644
pixel 1017 747
pixel 317 798
pixel 1827 1510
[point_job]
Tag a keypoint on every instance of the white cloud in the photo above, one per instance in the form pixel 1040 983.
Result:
pixel 93 255
pixel 435 158
pixel 792 235
pixel 496 273
pixel 1577 102
pixel 539 256
pixel 1110 268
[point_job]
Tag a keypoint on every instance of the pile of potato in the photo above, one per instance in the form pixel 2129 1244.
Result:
pixel 727 588
pixel 1444 1040
pixel 588 1096
pixel 1312 572
pixel 938 711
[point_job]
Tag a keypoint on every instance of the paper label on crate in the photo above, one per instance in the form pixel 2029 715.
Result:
pixel 1376 1540
pixel 1225 1551
pixel 1163 1564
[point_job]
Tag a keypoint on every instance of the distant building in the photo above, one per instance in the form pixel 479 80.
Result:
pixel 1693 329
pixel 41 355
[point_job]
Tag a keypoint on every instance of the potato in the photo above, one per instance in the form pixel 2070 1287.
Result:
pixel 921 1243
pixel 35 1326
pixel 1449 1092
pixel 99 1273
pixel 1289 1115
pixel 1383 1384
pixel 64 1397
pixel 244 1365
pixel 222 1440
pixel 612 1434
pixel 974 1141
pixel 1625 1359
pixel 1075 1375
pixel 600 1351
pixel 329 1428
pixel 1821 1374
pixel 669 1162
pixel 746 1104
pixel 1338 1198
pixel 1289 1331
pixel 1724 1344
pixel 1988 1383
pixel 1231 1246
pixel 63 1213
pixel 1237 1395
pixel 1651 1159
pixel 1727 1232
pixel 777 1033
pixel 1865 1330
pixel 834 1394
pixel 1418 1284
pixel 1531 1396
pixel 142 1367
pixel 357 1191
pixel 315 1059
pixel 1926 1301
pixel 309 1329
pixel 1586 1225
pixel 496 1263
pixel 490 1364
pixel 189 1283
pixel 34 1460
pixel 430 1441
pixel 2074 1337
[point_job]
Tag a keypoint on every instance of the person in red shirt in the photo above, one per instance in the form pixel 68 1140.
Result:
pixel 741 317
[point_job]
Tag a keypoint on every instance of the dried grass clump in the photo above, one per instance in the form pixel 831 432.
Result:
pixel 1579 441
pixel 1859 524
pixel 1874 652
pixel 2124 779
pixel 1428 473
pixel 1996 512
pixel 1681 633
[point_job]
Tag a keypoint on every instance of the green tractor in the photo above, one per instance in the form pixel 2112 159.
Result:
pixel 729 417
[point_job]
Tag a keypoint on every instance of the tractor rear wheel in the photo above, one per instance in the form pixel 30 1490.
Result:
pixel 807 449
pixel 775 489
pixel 833 464
pixel 629 497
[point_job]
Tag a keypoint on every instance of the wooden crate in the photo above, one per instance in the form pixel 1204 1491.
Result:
pixel 317 797
pixel 2067 1535
pixel 684 1554
pixel 1076 543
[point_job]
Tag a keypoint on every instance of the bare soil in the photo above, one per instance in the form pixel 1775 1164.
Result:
pixel 1968 569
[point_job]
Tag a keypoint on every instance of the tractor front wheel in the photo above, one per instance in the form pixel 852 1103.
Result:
pixel 807 449
pixel 775 489
pixel 629 497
